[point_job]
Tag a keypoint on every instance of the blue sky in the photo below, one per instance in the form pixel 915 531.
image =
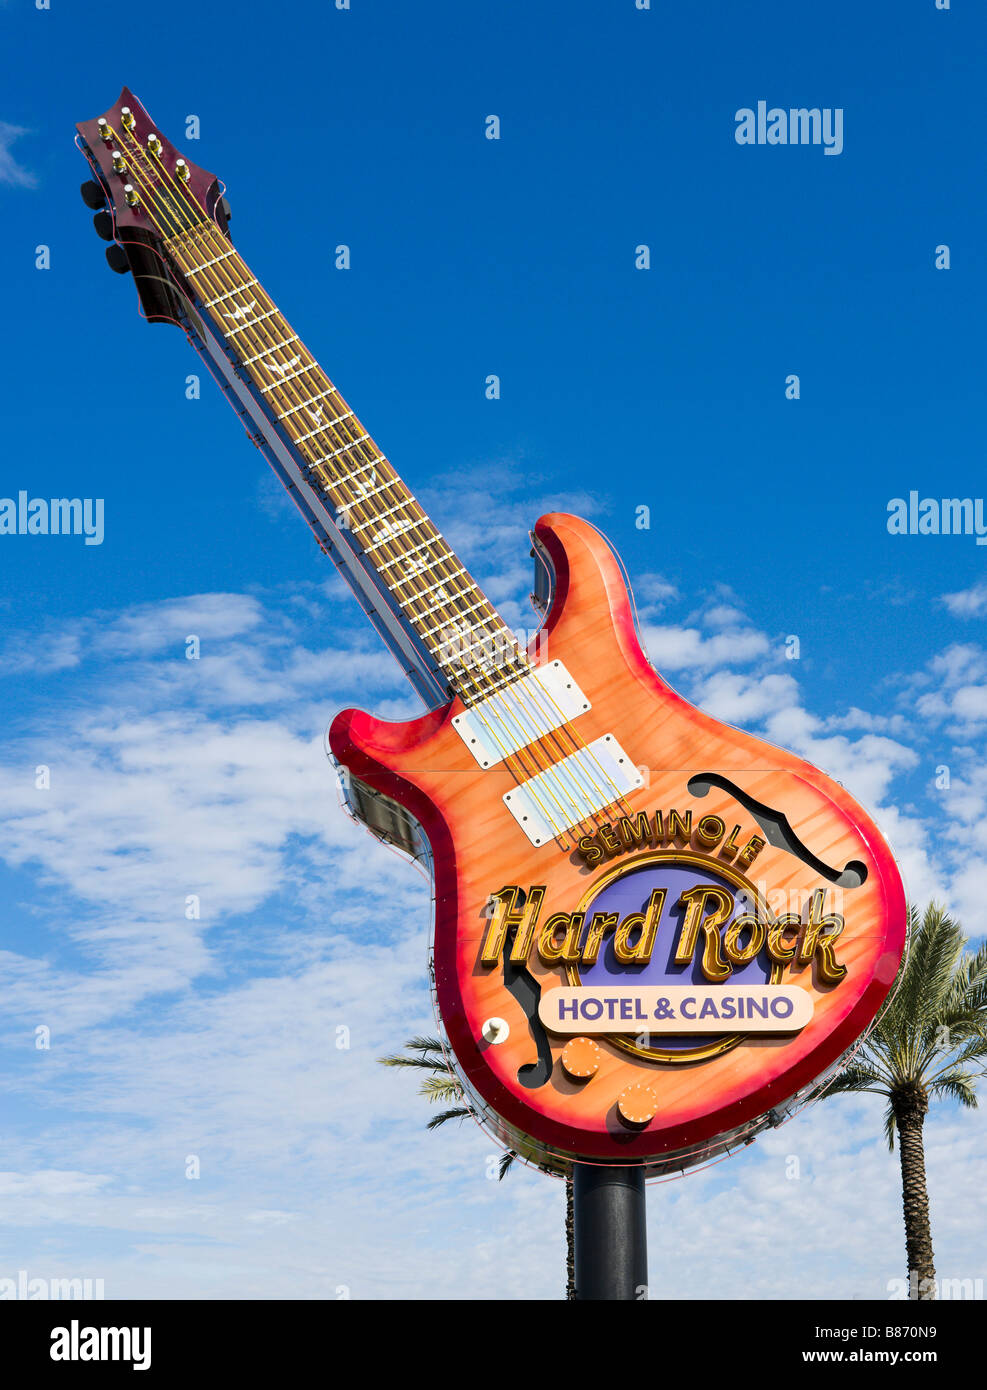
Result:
pixel 621 388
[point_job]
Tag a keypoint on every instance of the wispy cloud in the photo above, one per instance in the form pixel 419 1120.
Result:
pixel 10 171
pixel 248 1036
pixel 968 603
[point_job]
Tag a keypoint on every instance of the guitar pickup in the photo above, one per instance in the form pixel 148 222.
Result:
pixel 520 713
pixel 573 789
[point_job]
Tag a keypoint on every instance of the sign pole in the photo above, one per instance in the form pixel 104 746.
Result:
pixel 611 1244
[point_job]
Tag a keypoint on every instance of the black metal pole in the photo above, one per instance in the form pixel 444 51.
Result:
pixel 611 1246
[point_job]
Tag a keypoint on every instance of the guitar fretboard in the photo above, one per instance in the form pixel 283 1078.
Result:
pixel 432 590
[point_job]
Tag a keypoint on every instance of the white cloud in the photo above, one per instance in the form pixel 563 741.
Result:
pixel 724 615
pixel 652 592
pixel 867 721
pixel 958 694
pixel 968 603
pixel 218 1037
pixel 746 700
pixel 673 648
pixel 10 171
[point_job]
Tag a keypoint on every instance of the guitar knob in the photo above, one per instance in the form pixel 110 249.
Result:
pixel 116 259
pixel 93 195
pixel 581 1058
pixel 103 224
pixel 637 1104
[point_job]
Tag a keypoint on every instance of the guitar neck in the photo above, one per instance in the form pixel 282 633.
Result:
pixel 411 582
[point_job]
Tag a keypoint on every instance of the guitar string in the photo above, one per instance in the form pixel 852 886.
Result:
pixel 231 289
pixel 165 213
pixel 555 827
pixel 542 695
pixel 528 735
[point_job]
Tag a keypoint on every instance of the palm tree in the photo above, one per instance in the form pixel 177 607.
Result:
pixel 922 1047
pixel 443 1086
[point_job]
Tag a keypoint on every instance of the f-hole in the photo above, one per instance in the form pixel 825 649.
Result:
pixel 778 832
pixel 527 991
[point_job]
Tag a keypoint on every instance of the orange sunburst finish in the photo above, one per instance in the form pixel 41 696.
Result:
pixel 478 849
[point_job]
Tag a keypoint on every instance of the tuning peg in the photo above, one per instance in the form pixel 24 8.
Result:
pixel 224 203
pixel 93 195
pixel 103 223
pixel 116 259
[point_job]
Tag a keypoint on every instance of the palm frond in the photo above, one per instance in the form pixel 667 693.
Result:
pixel 974 1049
pixel 459 1113
pixel 909 1031
pixel 441 1088
pixel 932 962
pixel 936 1017
pixel 506 1160
pixel 860 1075
pixel 398 1061
pixel 958 1085
pixel 890 1125
pixel 430 1056
pixel 888 1024
pixel 969 987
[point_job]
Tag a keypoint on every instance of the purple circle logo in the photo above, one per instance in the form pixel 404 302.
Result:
pixel 661 886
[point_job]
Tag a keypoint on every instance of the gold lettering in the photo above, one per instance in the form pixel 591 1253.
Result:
pixel 710 831
pixel 779 952
pixel 743 955
pixel 509 913
pixel 751 850
pixel 590 850
pixel 679 827
pixel 608 839
pixel 599 923
pixel 647 924
pixel 818 938
pixel 730 846
pixel 565 951
pixel 714 967
pixel 636 832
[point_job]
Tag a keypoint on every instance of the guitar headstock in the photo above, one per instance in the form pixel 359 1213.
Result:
pixel 145 191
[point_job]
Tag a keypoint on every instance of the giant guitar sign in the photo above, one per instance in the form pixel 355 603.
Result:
pixel 652 932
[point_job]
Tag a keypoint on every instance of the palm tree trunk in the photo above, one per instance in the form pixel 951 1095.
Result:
pixel 910 1105
pixel 570 1249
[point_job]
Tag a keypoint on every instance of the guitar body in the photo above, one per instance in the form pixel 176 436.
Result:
pixel 478 849
pixel 651 930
